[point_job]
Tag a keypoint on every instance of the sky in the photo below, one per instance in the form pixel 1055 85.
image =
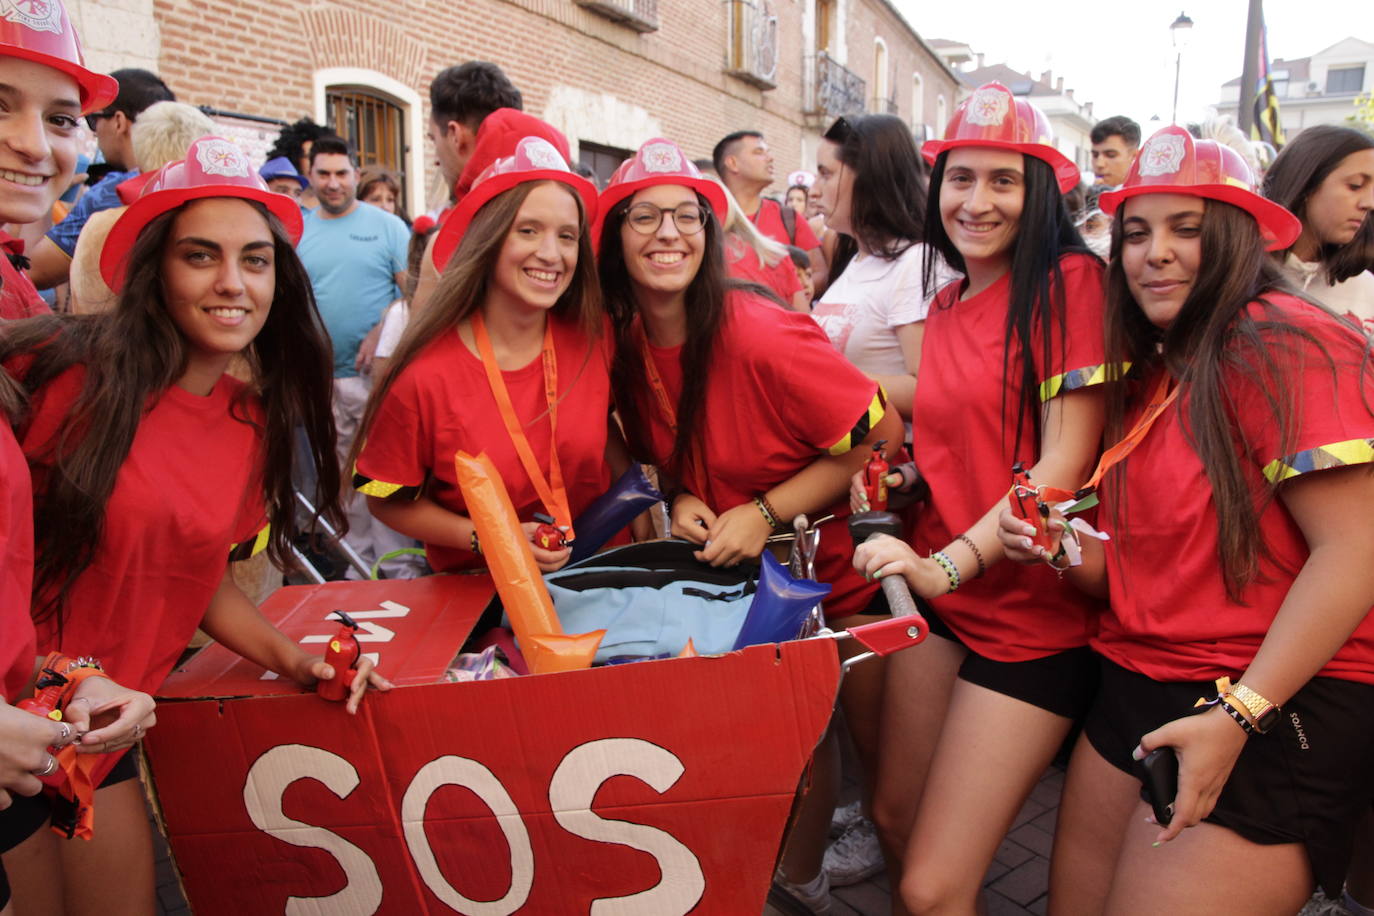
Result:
pixel 1118 55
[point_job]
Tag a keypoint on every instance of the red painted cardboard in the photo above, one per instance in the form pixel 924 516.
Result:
pixel 659 787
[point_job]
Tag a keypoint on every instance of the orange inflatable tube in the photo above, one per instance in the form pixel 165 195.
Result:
pixel 518 581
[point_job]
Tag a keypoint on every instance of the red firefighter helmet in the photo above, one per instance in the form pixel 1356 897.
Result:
pixel 1172 162
pixel 657 162
pixel 534 159
pixel 40 31
pixel 213 167
pixel 993 117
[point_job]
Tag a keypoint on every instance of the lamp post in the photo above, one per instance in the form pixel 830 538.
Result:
pixel 1179 31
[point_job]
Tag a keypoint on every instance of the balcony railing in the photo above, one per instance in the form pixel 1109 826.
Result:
pixel 833 89
pixel 640 15
pixel 753 52
pixel 883 106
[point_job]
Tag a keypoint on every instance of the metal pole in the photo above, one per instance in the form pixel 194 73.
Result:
pixel 1245 115
pixel 1178 68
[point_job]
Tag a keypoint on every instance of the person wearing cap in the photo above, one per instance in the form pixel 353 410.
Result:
pixel 510 358
pixel 750 415
pixel 1011 364
pixel 153 468
pixel 113 129
pixel 46 89
pixel 1236 495
pixel 283 178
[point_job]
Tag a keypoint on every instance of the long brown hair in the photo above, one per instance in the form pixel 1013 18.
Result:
pixel 706 296
pixel 134 354
pixel 464 286
pixel 1214 339
pixel 1296 175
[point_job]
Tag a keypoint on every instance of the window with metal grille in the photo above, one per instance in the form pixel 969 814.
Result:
pixel 374 125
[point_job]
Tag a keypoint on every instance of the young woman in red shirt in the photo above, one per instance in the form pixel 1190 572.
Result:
pixel 1238 632
pixel 1010 363
pixel 510 357
pixel 152 469
pixel 749 413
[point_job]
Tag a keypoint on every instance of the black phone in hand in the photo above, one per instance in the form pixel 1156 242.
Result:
pixel 1160 782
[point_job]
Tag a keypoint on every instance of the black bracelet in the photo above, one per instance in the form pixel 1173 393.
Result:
pixel 1237 715
pixel 977 554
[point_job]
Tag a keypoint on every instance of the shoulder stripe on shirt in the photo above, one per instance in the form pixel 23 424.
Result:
pixel 369 487
pixel 251 547
pixel 1075 379
pixel 876 408
pixel 1334 455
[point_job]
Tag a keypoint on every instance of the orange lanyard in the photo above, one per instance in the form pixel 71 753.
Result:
pixel 551 492
pixel 665 404
pixel 1159 402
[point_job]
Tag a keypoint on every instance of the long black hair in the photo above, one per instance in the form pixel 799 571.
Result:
pixel 887 207
pixel 1299 171
pixel 1035 311
pixel 1214 340
pixel 131 356
pixel 706 312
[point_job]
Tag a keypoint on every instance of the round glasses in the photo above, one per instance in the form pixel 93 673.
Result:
pixel 646 218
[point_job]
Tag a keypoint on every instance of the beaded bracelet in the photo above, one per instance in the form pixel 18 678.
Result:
pixel 473 545
pixel 948 566
pixel 770 514
pixel 977 554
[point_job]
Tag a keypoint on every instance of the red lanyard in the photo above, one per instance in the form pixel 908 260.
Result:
pixel 665 404
pixel 1159 402
pixel 551 492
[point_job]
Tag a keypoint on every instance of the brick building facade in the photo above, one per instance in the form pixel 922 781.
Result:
pixel 609 73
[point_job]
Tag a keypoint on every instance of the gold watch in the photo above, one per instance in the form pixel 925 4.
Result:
pixel 1263 713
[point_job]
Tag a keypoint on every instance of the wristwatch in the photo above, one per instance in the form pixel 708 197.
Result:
pixel 1264 714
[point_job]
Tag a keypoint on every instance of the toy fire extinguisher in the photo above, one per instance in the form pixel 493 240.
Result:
pixel 548 535
pixel 875 478
pixel 47 695
pixel 342 655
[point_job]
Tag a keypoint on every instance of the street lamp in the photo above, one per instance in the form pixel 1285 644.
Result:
pixel 1179 31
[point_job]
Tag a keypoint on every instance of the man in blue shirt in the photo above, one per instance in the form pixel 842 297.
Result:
pixel 355 254
pixel 51 259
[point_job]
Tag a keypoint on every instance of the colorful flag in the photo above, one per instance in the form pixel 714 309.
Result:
pixel 1266 126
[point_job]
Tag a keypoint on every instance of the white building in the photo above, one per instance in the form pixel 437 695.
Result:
pixel 1320 89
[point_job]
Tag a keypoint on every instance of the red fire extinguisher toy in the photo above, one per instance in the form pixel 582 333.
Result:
pixel 875 478
pixel 47 694
pixel 342 655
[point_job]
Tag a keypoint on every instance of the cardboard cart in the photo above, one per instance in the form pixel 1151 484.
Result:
pixel 660 787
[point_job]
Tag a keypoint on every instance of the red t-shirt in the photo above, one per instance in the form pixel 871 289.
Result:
pixel 441 403
pixel 17 647
pixel 188 494
pixel 779 397
pixel 742 263
pixel 18 297
pixel 963 446
pixel 769 221
pixel 1170 618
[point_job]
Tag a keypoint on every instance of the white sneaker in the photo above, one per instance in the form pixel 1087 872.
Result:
pixel 855 856
pixel 813 896
pixel 844 816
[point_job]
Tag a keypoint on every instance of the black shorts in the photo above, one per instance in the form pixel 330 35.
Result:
pixel 28 814
pixel 1308 781
pixel 1063 683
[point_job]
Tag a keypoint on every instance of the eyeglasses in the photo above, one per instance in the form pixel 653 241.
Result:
pixel 645 218
pixel 95 116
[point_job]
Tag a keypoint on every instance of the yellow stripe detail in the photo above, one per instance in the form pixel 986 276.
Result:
pixel 377 488
pixel 876 409
pixel 259 544
pixel 1334 455
pixel 1075 379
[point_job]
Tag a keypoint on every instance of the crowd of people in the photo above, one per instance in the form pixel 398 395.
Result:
pixel 1131 426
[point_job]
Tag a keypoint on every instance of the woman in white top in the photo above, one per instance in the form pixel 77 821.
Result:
pixel 871 187
pixel 1326 176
